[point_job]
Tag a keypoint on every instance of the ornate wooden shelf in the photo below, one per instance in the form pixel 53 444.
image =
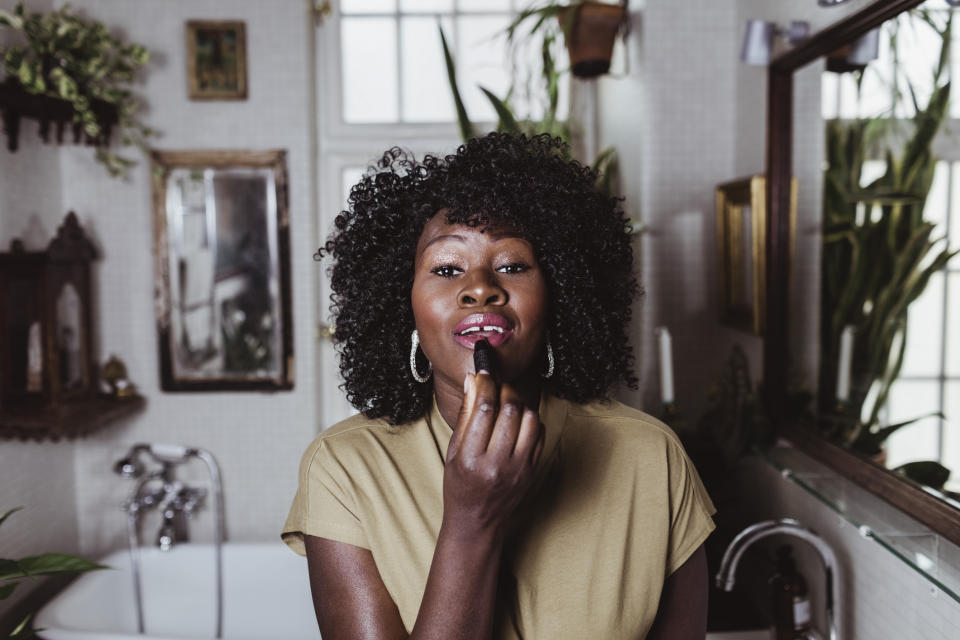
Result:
pixel 69 420
pixel 16 103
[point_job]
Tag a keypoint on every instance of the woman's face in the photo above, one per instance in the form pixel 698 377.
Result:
pixel 470 285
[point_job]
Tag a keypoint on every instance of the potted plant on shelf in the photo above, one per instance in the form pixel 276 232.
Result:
pixel 589 30
pixel 875 266
pixel 77 63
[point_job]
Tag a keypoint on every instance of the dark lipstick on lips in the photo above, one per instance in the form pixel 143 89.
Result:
pixel 484 358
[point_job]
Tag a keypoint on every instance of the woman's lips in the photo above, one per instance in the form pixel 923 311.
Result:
pixel 491 327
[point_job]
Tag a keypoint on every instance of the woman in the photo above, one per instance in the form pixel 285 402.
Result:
pixel 516 503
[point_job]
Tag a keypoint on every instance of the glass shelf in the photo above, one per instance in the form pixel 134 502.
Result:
pixel 927 553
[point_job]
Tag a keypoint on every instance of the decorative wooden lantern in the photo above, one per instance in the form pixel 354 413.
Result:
pixel 45 322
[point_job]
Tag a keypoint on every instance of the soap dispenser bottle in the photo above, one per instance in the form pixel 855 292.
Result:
pixel 790 600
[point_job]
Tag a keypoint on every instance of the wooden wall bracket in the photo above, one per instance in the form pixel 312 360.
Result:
pixel 16 103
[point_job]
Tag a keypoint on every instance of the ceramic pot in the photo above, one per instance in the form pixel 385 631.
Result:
pixel 593 27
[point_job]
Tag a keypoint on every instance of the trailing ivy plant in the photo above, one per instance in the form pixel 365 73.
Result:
pixel 76 59
pixel 14 572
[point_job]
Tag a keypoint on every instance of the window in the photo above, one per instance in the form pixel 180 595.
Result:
pixel 392 65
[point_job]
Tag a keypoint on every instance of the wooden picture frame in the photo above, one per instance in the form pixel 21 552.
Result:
pixel 216 60
pixel 741 231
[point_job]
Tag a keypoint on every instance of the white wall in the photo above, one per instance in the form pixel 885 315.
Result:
pixel 257 437
pixel 37 477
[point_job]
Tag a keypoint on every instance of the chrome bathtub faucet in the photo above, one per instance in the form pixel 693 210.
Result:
pixel 176 502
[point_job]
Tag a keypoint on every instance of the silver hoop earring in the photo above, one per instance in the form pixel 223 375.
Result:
pixel 414 343
pixel 549 371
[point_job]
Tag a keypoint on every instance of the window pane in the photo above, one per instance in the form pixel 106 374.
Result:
pixel 953 325
pixel 955 207
pixel 485 5
pixel 875 95
pixel 925 330
pixel 367 6
pixel 951 434
pixel 481 60
pixel 935 209
pixel 369 76
pixel 349 176
pixel 955 73
pixel 426 90
pixel 917 441
pixel 426 6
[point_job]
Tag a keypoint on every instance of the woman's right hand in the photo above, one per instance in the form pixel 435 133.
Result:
pixel 491 457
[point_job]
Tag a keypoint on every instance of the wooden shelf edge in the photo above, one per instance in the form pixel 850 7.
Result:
pixel 17 103
pixel 917 502
pixel 72 420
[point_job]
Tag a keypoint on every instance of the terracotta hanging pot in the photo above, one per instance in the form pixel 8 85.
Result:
pixel 589 34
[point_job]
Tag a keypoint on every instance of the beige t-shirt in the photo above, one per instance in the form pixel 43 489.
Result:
pixel 616 508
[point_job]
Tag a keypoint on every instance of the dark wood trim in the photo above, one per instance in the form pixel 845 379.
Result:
pixel 916 502
pixel 840 34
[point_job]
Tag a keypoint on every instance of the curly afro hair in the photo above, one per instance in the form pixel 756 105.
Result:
pixel 580 238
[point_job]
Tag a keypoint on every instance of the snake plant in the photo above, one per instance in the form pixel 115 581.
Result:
pixel 879 254
pixel 69 57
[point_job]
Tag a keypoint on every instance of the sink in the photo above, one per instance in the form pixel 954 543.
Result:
pixel 756 634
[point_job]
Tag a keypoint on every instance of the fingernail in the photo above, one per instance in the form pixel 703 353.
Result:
pixel 483 371
pixel 466 382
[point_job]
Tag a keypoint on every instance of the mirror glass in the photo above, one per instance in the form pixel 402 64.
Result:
pixel 877 150
pixel 221 223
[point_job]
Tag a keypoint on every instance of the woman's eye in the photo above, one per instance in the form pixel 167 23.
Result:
pixel 513 267
pixel 446 270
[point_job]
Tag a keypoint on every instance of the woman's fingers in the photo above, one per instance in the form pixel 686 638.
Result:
pixel 529 436
pixel 478 420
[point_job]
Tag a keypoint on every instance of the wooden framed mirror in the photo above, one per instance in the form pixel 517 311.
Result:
pixel 222 250
pixel 788 346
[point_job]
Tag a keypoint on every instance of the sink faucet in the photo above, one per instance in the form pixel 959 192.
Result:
pixel 786 526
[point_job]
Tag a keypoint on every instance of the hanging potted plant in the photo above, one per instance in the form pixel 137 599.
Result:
pixel 589 30
pixel 71 68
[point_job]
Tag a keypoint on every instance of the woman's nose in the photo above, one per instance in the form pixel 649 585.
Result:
pixel 481 289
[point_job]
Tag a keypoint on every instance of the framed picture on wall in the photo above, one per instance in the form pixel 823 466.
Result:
pixel 216 60
pixel 741 248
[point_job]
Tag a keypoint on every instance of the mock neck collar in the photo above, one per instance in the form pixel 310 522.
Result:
pixel 553 414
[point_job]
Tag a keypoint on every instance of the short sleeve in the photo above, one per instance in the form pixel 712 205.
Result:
pixel 690 508
pixel 325 502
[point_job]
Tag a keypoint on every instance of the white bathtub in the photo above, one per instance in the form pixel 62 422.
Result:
pixel 266 596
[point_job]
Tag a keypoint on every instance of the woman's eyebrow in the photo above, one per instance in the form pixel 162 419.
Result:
pixel 435 239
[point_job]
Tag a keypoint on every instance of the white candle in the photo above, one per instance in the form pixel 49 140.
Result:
pixel 845 363
pixel 666 366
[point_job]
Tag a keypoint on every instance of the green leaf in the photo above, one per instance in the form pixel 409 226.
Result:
pixel 23 631
pixel 9 513
pixel 926 472
pixel 48 563
pixel 463 120
pixel 507 121
pixel 7 589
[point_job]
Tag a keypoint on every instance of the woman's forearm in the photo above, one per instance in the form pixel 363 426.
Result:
pixel 461 591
